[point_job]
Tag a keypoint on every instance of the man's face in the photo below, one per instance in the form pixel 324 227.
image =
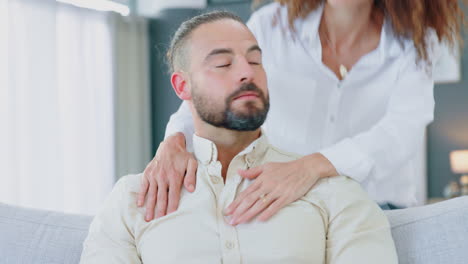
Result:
pixel 227 79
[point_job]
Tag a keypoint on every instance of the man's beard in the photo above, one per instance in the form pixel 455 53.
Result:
pixel 229 119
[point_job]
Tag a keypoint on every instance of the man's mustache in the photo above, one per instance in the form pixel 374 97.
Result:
pixel 248 87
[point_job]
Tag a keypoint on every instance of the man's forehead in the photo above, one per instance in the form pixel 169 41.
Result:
pixel 225 34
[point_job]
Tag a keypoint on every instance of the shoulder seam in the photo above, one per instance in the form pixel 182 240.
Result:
pixel 285 153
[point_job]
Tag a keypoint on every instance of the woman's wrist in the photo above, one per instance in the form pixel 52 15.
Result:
pixel 319 164
pixel 175 142
pixel 178 139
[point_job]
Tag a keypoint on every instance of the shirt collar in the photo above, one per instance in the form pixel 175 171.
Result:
pixel 205 150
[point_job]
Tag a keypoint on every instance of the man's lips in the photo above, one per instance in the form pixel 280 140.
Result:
pixel 247 95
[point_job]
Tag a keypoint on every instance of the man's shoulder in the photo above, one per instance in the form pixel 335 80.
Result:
pixel 129 183
pixel 324 189
pixel 275 154
pixel 126 189
pixel 120 203
pixel 340 186
pixel 342 182
pixel 338 193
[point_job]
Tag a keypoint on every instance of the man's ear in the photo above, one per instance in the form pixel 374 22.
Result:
pixel 181 85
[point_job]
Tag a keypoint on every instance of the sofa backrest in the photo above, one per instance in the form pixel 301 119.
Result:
pixel 431 234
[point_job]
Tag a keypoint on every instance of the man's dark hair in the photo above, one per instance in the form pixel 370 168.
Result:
pixel 177 53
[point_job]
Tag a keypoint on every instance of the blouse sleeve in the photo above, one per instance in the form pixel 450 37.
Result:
pixel 181 121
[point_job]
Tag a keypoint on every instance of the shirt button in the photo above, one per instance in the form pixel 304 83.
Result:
pixel 249 162
pixel 229 245
pixel 338 85
pixel 332 119
pixel 215 179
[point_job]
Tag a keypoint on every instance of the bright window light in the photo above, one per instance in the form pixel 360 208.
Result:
pixel 101 5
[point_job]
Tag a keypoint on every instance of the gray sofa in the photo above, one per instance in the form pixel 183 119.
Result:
pixel 430 234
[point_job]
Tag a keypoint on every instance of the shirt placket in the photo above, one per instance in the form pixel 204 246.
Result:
pixel 225 193
pixel 332 114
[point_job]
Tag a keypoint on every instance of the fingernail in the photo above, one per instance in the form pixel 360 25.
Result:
pixel 232 222
pixel 191 187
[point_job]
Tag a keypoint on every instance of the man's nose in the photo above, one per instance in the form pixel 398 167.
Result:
pixel 246 71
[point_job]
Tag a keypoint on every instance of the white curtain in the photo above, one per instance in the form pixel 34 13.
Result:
pixel 58 113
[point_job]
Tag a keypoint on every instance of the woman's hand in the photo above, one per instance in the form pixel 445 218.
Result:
pixel 277 185
pixel 164 176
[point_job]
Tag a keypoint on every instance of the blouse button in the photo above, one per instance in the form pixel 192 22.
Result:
pixel 215 179
pixel 229 245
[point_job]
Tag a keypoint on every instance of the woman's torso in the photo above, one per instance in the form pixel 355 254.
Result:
pixel 311 109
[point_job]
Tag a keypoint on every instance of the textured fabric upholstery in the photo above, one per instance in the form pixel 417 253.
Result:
pixel 432 234
pixel 40 237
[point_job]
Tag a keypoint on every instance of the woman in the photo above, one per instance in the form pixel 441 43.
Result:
pixel 351 89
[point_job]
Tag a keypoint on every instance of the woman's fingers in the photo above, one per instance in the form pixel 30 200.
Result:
pixel 254 173
pixel 174 196
pixel 145 183
pixel 175 187
pixel 161 200
pixel 241 198
pixel 143 191
pixel 272 209
pixel 245 205
pixel 191 175
pixel 151 201
pixel 164 176
pixel 262 201
pixel 251 173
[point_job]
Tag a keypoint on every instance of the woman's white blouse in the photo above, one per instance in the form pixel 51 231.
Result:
pixel 370 125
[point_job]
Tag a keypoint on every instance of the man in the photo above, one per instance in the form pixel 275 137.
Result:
pixel 217 68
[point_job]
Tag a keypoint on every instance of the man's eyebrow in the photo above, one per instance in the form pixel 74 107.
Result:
pixel 219 51
pixel 254 48
pixel 230 51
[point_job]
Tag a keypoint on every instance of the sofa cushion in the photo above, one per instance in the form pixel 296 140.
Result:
pixel 36 236
pixel 431 234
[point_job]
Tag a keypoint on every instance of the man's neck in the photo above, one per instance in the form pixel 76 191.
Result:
pixel 229 143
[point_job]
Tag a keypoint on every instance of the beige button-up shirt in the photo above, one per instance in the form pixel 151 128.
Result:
pixel 336 222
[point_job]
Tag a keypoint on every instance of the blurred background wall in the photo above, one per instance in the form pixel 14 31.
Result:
pixel 449 131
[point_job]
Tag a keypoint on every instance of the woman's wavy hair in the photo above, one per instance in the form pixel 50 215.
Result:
pixel 411 19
